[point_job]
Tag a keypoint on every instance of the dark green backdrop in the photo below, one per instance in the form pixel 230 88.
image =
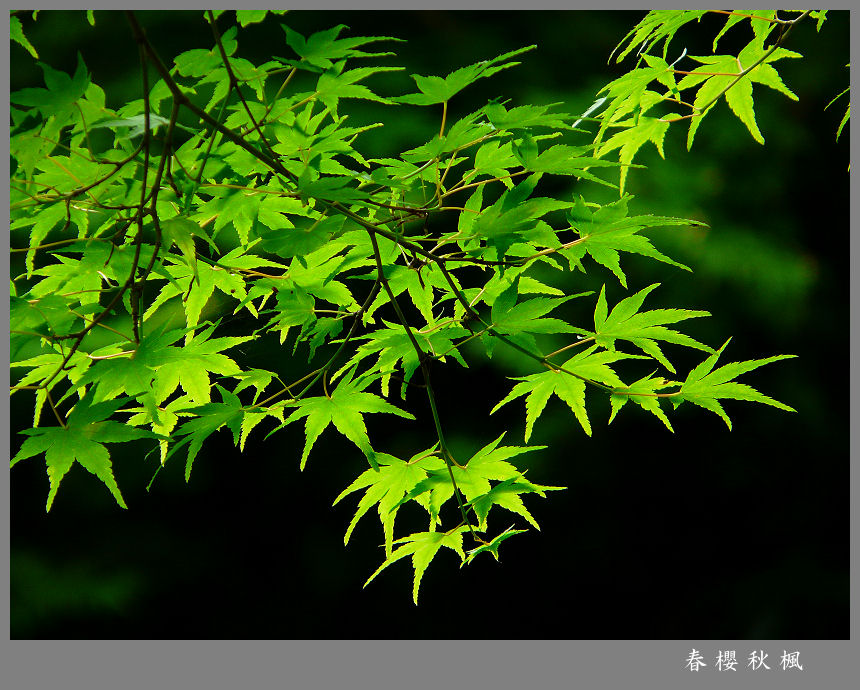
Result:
pixel 702 534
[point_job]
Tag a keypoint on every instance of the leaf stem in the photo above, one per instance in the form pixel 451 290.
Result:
pixel 568 347
pixel 425 372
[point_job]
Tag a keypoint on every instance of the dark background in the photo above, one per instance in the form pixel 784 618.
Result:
pixel 703 533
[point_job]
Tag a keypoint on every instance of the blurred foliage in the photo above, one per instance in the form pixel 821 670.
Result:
pixel 48 593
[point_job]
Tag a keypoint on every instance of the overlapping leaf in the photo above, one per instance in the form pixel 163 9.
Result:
pixel 566 383
pixel 656 26
pixel 507 495
pixel 720 74
pixel 156 367
pixel 344 408
pixel 473 477
pixel 394 347
pixel 206 420
pixel 503 223
pixel 385 489
pixel 635 133
pixel 519 321
pixel 608 231
pixel 335 84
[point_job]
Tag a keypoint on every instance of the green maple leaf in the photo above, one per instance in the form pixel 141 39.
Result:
pixel 333 139
pixel 207 420
pixel 155 368
pixel 520 320
pixel 489 463
pixel 418 283
pixel 657 25
pixel 82 439
pixel 238 207
pixel 180 231
pixel 434 490
pixel 66 173
pixel 334 188
pixel 258 378
pixel 136 125
pixel 493 158
pixel 627 93
pixel 393 345
pixel 306 237
pixel 739 95
pixel 461 134
pixel 568 387
pixel 492 547
pixel 78 276
pixel 638 131
pixel 44 365
pixel 706 386
pixel 323 330
pixel 423 547
pixel 200 62
pixel 168 417
pixel 434 89
pixel 191 365
pixel 503 223
pixel 43 222
pixel 295 307
pixel 344 408
pixel 385 489
pixel 607 231
pixel 133 375
pixel 312 275
pixel 731 20
pixel 29 148
pixel 195 282
pixel 49 315
pixel 246 17
pixel 643 329
pixel 16 33
pixel 335 84
pixel 251 418
pixel 351 250
pixel 846 116
pixel 61 93
pixel 297 134
pixel 322 47
pixel 525 116
pixel 568 160
pixel 642 392
pixel 472 478
pixel 506 494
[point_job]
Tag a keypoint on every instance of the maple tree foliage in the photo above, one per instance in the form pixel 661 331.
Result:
pixel 141 233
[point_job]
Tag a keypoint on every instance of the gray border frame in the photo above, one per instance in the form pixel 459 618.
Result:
pixel 592 664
